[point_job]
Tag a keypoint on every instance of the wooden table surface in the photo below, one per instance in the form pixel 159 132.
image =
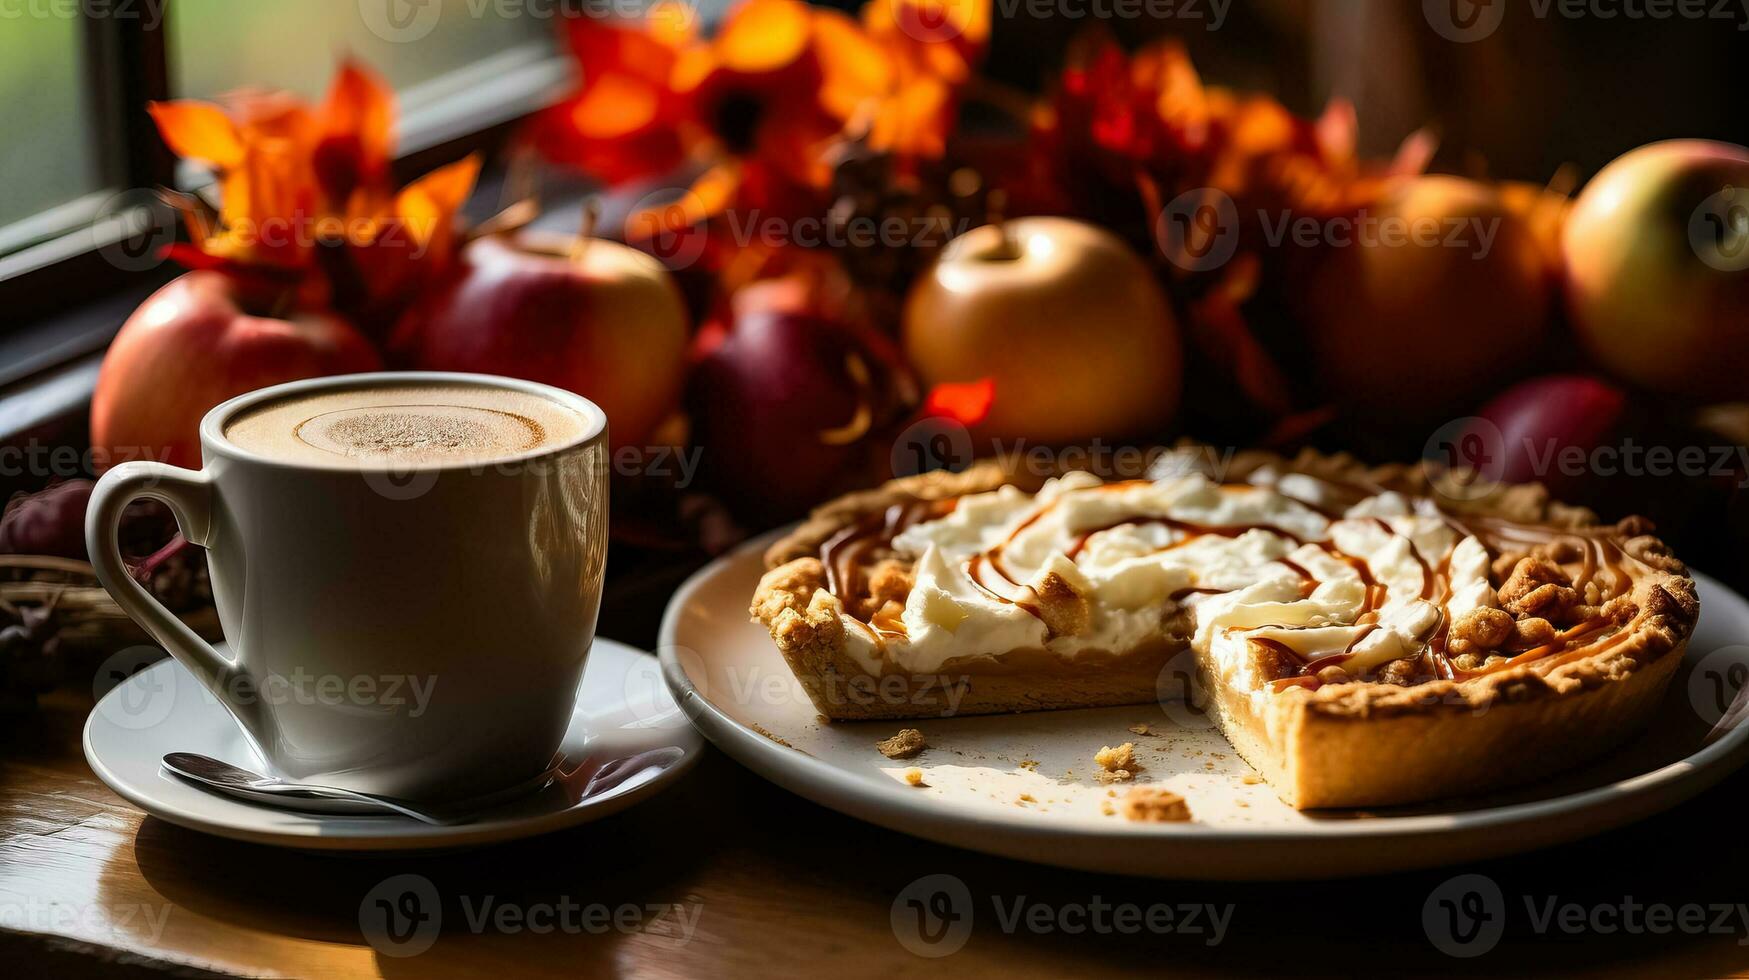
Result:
pixel 751 880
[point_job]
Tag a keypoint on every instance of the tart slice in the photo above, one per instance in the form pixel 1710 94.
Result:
pixel 1361 637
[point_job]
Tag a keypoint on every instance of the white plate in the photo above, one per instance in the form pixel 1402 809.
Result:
pixel 979 771
pixel 626 742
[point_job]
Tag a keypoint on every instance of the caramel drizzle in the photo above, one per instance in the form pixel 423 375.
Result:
pixel 1599 552
pixel 842 556
pixel 1191 531
pixel 842 553
pixel 1026 597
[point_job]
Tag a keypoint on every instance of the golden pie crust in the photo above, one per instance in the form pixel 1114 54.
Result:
pixel 1342 744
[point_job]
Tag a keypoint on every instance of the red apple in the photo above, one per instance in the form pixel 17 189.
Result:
pixel 1440 293
pixel 603 320
pixel 193 344
pixel 783 408
pixel 1543 427
pixel 1657 262
pixel 1067 321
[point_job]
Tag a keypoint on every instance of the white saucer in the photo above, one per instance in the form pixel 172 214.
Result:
pixel 978 771
pixel 626 742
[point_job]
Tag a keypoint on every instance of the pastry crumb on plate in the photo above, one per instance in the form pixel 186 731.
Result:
pixel 1117 764
pixel 1150 804
pixel 906 744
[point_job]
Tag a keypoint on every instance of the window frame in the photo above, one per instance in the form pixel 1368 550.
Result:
pixel 64 300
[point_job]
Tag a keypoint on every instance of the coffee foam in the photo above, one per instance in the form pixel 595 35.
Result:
pixel 425 425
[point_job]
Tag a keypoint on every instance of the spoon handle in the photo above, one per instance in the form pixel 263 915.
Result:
pixel 353 796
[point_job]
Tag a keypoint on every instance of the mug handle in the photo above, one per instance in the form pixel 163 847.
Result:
pixel 189 496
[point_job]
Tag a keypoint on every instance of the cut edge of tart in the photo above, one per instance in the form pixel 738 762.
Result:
pixel 1579 634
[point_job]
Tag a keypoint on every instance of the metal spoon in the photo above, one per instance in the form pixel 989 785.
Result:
pixel 235 781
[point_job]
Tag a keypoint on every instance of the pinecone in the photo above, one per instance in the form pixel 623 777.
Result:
pixel 887 226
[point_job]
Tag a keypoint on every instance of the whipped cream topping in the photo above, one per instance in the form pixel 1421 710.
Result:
pixel 1370 586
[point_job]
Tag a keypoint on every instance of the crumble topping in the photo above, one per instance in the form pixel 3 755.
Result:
pixel 906 744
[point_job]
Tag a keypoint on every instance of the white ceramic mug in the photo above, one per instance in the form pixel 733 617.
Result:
pixel 417 633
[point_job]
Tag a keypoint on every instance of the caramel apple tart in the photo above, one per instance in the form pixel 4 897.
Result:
pixel 1362 636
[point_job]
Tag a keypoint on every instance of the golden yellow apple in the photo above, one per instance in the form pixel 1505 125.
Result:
pixel 1070 324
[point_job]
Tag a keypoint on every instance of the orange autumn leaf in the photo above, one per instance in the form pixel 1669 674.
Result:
pixel 428 206
pixel 198 131
pixel 763 36
pixel 947 37
pixel 763 108
pixel 625 121
pixel 305 195
pixel 356 138
pixel 858 68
